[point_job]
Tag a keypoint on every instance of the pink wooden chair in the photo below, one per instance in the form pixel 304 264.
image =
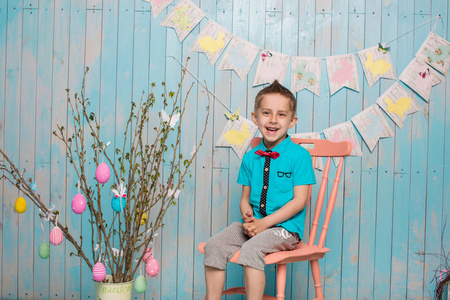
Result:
pixel 306 252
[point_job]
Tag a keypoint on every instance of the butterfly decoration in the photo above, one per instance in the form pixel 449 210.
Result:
pixel 234 116
pixel 425 74
pixel 265 55
pixel 382 49
pixel 166 118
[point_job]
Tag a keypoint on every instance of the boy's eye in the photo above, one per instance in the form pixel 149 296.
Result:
pixel 265 112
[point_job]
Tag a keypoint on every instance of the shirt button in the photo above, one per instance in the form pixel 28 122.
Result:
pixel 266 169
pixel 262 205
pixel 265 187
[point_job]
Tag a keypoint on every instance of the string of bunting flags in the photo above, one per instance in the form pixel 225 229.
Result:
pixel 428 68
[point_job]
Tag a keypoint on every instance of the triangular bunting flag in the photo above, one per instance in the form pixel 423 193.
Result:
pixel 342 72
pixel 272 66
pixel 377 63
pixel 420 77
pixel 372 126
pixel 211 40
pixel 435 51
pixel 239 57
pixel 183 18
pixel 397 104
pixel 237 134
pixel 306 74
pixel 158 6
pixel 344 132
pixel 310 135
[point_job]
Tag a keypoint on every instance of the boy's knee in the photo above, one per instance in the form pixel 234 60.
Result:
pixel 251 257
pixel 214 255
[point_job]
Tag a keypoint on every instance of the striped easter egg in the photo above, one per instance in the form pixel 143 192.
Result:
pixel 56 236
pixel 99 272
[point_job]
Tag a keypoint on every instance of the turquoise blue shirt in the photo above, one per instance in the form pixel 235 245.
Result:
pixel 293 167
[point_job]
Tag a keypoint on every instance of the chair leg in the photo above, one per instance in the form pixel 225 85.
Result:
pixel 315 270
pixel 281 281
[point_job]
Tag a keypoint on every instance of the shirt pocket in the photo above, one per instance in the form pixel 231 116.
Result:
pixel 284 181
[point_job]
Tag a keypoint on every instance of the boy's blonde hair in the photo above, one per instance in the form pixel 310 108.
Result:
pixel 276 88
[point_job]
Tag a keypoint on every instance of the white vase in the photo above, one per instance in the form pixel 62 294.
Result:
pixel 113 291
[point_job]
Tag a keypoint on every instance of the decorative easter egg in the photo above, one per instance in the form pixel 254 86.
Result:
pixel 102 173
pixel 56 236
pixel 140 284
pixel 148 254
pixel 144 218
pixel 78 204
pixel 152 267
pixel 21 205
pixel 115 203
pixel 99 272
pixel 44 250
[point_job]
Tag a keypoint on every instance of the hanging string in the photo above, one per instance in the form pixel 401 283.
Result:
pixel 46 218
pixel 424 23
pixel 184 67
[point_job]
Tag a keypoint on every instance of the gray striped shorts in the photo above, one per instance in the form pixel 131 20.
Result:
pixel 222 246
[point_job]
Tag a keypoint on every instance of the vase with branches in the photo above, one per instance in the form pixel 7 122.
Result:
pixel 136 168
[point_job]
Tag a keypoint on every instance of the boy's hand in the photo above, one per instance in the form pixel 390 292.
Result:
pixel 253 228
pixel 248 217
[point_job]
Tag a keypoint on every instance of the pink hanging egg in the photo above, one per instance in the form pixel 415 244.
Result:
pixel 99 272
pixel 102 173
pixel 78 204
pixel 56 236
pixel 152 267
pixel 148 254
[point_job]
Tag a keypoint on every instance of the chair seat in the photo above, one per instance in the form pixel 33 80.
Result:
pixel 301 252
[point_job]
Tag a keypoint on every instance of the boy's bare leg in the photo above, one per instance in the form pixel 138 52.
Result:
pixel 255 281
pixel 215 281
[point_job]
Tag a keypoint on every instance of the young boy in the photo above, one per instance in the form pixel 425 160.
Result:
pixel 275 177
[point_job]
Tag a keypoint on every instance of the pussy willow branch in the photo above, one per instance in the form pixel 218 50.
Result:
pixel 25 188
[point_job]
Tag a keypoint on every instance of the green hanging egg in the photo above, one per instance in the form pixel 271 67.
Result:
pixel 140 284
pixel 44 250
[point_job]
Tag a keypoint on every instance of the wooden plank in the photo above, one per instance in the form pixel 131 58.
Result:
pixel 94 5
pixel 418 184
pixel 11 218
pixel 332 262
pixel 3 28
pixel 27 146
pixel 169 249
pixel 323 7
pixel 369 168
pixel 435 173
pixel 27 4
pixel 385 188
pixel 73 276
pixel 352 182
pixel 321 104
pixel 157 75
pixel 402 165
pixel 41 267
pixel 141 5
pixel 58 149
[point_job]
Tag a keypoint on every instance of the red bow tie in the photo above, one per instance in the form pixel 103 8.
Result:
pixel 273 155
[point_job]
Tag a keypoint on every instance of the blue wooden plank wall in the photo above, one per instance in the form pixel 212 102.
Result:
pixel 393 202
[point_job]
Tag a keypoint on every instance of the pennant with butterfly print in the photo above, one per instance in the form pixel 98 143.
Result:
pixel 420 77
pixel 158 6
pixel 342 72
pixel 344 132
pixel 271 66
pixel 237 134
pixel 306 74
pixel 377 63
pixel 239 57
pixel 397 104
pixel 372 126
pixel 183 18
pixel 314 136
pixel 435 51
pixel 212 40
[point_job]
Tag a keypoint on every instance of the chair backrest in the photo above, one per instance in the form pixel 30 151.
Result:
pixel 329 150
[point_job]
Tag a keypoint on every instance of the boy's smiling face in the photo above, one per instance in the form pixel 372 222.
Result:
pixel 274 117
